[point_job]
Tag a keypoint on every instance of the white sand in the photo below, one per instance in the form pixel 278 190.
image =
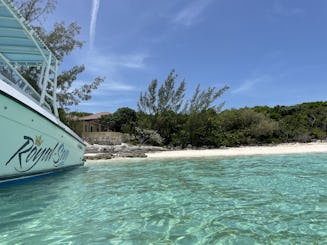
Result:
pixel 292 148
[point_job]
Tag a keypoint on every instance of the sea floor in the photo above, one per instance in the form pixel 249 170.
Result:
pixel 279 199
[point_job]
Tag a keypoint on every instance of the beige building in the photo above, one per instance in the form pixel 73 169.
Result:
pixel 89 124
pixel 92 131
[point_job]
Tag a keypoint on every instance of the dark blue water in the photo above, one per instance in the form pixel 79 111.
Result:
pixel 243 200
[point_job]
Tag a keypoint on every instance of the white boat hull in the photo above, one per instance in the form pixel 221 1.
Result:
pixel 32 142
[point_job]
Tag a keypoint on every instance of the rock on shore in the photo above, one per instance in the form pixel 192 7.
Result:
pixel 97 152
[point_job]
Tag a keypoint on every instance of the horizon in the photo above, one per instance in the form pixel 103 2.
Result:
pixel 268 53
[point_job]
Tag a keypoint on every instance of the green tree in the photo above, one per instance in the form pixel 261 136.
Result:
pixel 203 128
pixel 203 100
pixel 303 122
pixel 168 124
pixel 62 40
pixel 123 120
pixel 166 98
pixel 246 126
pixel 180 122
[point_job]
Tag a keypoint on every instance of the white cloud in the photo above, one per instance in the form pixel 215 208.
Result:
pixel 94 14
pixel 107 86
pixel 111 63
pixel 112 67
pixel 191 13
pixel 113 86
pixel 248 84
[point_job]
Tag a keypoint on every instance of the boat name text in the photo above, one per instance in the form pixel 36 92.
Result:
pixel 31 153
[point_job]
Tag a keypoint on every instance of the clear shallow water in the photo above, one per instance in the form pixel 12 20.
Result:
pixel 244 200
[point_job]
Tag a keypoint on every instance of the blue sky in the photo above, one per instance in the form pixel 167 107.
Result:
pixel 268 52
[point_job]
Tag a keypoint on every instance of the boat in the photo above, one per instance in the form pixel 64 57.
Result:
pixel 33 140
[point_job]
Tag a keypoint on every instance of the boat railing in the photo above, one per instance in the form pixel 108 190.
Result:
pixel 18 82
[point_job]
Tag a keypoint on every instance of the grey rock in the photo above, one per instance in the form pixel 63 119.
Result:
pixel 99 157
pixel 122 150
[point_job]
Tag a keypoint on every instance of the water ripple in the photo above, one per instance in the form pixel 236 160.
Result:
pixel 245 200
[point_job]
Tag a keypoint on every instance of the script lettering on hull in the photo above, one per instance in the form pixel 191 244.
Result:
pixel 32 152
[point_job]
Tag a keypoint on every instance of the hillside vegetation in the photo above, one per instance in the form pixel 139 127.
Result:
pixel 246 126
pixel 165 117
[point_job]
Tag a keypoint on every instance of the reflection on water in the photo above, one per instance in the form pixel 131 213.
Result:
pixel 274 199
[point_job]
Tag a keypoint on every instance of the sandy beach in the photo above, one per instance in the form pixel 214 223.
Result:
pixel 290 148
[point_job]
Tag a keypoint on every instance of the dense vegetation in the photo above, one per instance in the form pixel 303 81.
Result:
pixel 246 126
pixel 199 122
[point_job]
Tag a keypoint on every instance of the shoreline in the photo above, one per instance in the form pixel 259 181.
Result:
pixel 279 149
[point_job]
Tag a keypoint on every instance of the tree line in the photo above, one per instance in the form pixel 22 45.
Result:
pixel 234 127
pixel 164 117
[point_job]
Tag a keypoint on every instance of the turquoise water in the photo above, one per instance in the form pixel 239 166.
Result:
pixel 244 200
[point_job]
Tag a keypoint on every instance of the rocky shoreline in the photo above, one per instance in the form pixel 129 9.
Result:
pixel 105 152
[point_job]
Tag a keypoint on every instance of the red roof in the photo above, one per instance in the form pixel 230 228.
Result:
pixel 93 116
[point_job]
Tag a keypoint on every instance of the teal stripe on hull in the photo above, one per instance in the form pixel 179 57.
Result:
pixel 30 143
